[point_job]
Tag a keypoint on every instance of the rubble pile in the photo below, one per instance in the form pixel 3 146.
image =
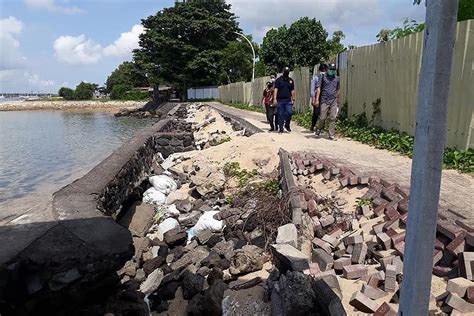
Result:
pixel 363 245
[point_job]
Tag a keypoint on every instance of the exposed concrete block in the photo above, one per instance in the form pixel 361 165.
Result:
pixel 288 234
pixel 363 303
pixel 458 303
pixel 291 257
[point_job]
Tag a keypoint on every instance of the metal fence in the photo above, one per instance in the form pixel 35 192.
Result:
pixel 203 93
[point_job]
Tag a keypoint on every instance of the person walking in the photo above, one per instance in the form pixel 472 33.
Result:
pixel 270 108
pixel 313 88
pixel 284 98
pixel 327 97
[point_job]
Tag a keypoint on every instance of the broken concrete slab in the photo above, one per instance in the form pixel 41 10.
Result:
pixel 290 258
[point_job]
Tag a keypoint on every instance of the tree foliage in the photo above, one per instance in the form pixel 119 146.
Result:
pixel 236 61
pixel 466 10
pixel 127 73
pixel 182 45
pixel 334 44
pixel 302 44
pixel 408 27
pixel 84 91
pixel 66 93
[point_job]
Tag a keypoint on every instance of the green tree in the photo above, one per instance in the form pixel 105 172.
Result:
pixel 128 73
pixel 66 93
pixel 408 27
pixel 84 91
pixel 260 69
pixel 182 45
pixel 302 44
pixel 236 61
pixel 334 44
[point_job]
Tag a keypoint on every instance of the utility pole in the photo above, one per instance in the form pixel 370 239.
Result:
pixel 253 52
pixel 428 155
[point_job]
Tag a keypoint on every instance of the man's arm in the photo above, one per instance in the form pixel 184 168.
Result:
pixel 293 95
pixel 275 91
pixel 316 99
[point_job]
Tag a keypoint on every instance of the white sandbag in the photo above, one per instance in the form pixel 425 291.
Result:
pixel 163 184
pixel 172 211
pixel 206 221
pixel 166 225
pixel 154 197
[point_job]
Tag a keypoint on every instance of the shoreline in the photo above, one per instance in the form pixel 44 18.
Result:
pixel 68 105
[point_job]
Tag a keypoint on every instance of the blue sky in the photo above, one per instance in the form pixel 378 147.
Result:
pixel 46 44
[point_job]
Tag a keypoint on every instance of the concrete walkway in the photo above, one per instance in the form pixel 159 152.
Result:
pixel 457 189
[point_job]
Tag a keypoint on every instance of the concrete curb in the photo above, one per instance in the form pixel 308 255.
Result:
pixel 237 122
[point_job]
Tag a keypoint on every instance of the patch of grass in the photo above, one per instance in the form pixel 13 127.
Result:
pixel 233 170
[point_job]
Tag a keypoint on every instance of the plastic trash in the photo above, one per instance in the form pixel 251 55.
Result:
pixel 206 221
pixel 163 184
pixel 154 197
pixel 166 225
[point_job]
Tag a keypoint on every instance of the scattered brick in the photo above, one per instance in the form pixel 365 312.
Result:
pixel 306 163
pixel 323 259
pixel 393 223
pixel 379 210
pixel 355 239
pixel 363 180
pixel 373 292
pixel 470 294
pixel 378 228
pixel 327 174
pixel 385 310
pixel 363 303
pixel 404 218
pixel 384 240
pixel 355 271
pixel 400 248
pixel 374 281
pixel 327 220
pixel 457 245
pixel 370 194
pixel 403 193
pixel 379 201
pixel 390 278
pixel 458 303
pixel 335 171
pixel 319 243
pixel 397 261
pixel 385 183
pixel 336 233
pixel 391 211
pixel 312 207
pixel 366 211
pixel 353 180
pixel 403 206
pixel 359 253
pixel 466 264
pixel 331 240
pixel 438 244
pixel 459 286
pixel 448 229
pixel 390 194
pixel 385 261
pixel 342 262
pixel 314 268
pixel 373 180
pixel 344 181
pixel 398 237
pixel 349 249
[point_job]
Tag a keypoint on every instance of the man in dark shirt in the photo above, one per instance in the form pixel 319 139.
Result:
pixel 327 97
pixel 284 98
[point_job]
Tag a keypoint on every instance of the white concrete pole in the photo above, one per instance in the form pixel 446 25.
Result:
pixel 427 156
pixel 253 52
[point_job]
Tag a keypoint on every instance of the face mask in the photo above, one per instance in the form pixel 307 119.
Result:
pixel 331 72
pixel 272 80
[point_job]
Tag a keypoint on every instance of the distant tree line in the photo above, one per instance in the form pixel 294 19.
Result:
pixel 83 91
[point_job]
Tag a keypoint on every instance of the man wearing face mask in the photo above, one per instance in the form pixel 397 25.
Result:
pixel 327 97
pixel 284 99
pixel 316 108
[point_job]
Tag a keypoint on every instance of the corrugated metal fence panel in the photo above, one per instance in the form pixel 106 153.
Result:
pixel 202 93
pixel 390 72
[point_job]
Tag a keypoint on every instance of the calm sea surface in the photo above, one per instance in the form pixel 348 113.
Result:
pixel 44 149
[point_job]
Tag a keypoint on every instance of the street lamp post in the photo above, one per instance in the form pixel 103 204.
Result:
pixel 253 52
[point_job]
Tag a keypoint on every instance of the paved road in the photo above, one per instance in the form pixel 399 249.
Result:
pixel 457 190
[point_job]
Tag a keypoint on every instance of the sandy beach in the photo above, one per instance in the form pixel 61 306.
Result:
pixel 68 105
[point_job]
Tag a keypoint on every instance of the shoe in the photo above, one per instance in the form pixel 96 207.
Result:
pixel 288 128
pixel 318 132
pixel 272 129
pixel 311 129
pixel 280 131
pixel 332 138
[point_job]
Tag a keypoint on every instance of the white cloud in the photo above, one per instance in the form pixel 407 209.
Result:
pixel 126 43
pixel 51 6
pixel 12 79
pixel 10 57
pixel 76 50
pixel 79 50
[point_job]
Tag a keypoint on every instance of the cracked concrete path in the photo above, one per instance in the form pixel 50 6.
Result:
pixel 457 189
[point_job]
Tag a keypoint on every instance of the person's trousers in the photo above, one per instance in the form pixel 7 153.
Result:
pixel 271 116
pixel 332 109
pixel 284 112
pixel 314 119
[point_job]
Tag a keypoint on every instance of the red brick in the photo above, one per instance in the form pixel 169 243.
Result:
pixel 400 248
pixel 404 218
pixel 363 303
pixel 312 207
pixel 336 233
pixel 390 194
pixel 355 271
pixel 390 278
pixel 379 201
pixel 398 238
pixel 457 245
pixel 385 310
pixel 385 261
pixel 403 193
pixel 393 223
pixel 438 244
pixel 335 171
pixel 438 255
pixel 359 253
pixel 344 181
pixel 331 240
pixel 391 232
pixel 384 240
pixel 378 210
pixel 447 228
pixel 319 243
pixel 378 228
pixel 373 292
pixel 442 271
pixel 470 239
pixel 326 174
pixel 397 261
pixel 374 281
pixel 403 206
pixel 470 294
pixel 327 220
pixel 342 262
pixel 370 194
pixel 373 180
pixel 355 239
pixel 353 180
pixel 391 212
pixel 363 180
pixel 385 183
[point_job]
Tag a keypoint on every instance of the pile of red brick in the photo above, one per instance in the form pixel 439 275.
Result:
pixel 369 245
